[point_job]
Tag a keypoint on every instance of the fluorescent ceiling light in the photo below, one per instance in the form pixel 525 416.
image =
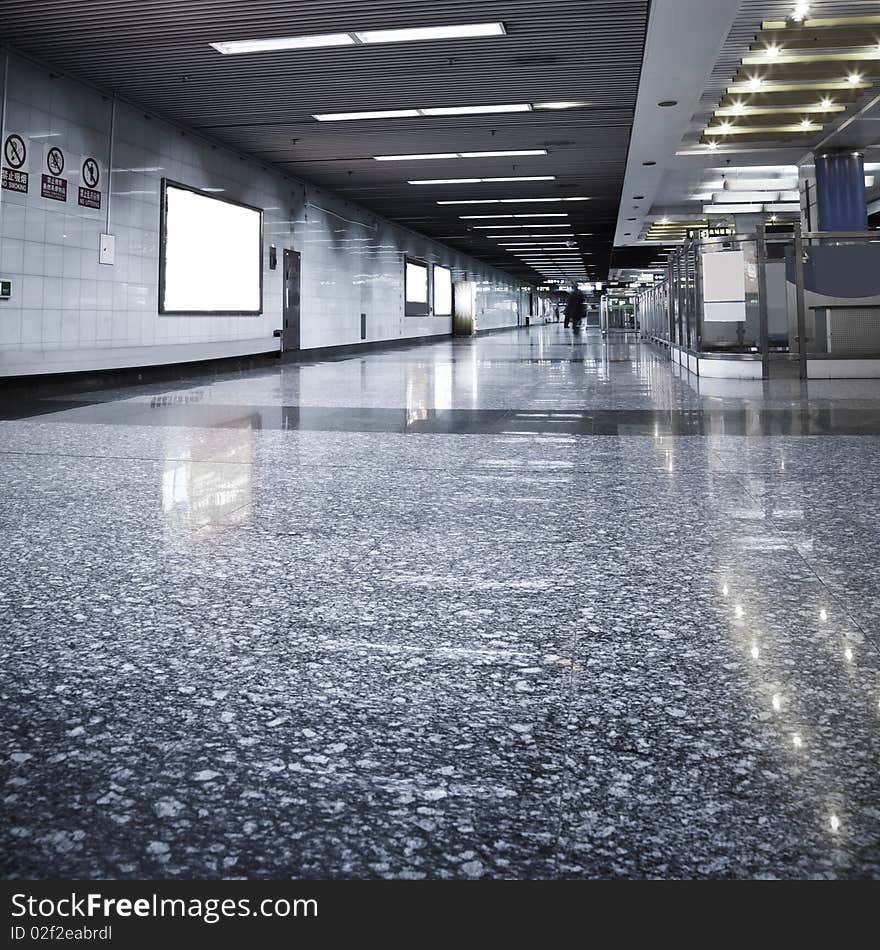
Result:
pixel 471 181
pixel 522 178
pixel 415 34
pixel 487 227
pixel 365 37
pixel 487 217
pixel 509 152
pixel 351 116
pixel 506 201
pixel 446 181
pixel 447 155
pixel 499 237
pixel 285 42
pixel 476 110
pixel 414 158
pixel 560 105
pixel 415 113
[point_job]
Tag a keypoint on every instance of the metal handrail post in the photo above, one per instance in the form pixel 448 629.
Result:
pixel 763 318
pixel 698 298
pixel 801 300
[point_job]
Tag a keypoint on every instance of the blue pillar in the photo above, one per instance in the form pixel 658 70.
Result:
pixel 840 186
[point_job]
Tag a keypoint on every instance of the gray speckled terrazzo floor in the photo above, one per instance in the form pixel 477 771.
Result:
pixel 501 646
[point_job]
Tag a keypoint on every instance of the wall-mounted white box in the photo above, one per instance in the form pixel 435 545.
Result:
pixel 107 249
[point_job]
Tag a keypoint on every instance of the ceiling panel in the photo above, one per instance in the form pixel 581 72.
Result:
pixel 156 52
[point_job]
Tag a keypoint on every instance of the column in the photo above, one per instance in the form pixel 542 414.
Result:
pixel 840 187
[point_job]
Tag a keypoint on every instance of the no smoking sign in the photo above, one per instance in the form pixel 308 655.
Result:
pixel 14 151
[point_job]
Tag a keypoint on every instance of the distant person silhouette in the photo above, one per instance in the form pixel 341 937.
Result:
pixel 575 308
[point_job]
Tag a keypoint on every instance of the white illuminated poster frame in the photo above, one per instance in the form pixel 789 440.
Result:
pixel 163 242
pixel 439 311
pixel 416 308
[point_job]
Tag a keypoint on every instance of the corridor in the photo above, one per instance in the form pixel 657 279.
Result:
pixel 526 605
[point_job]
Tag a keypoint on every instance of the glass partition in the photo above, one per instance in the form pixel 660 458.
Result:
pixel 783 297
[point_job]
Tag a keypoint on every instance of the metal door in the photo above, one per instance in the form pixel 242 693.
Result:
pixel 291 333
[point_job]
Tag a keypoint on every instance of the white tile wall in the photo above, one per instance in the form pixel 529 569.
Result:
pixel 69 312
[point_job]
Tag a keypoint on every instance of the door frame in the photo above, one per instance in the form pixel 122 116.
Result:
pixel 291 332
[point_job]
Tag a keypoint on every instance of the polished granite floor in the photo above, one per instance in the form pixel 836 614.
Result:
pixel 524 606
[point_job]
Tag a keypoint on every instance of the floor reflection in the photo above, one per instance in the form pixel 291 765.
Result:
pixel 198 494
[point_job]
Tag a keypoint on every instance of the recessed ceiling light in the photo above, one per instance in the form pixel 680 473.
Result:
pixel 285 42
pixel 415 34
pixel 486 227
pixel 414 158
pixel 507 237
pixel 756 82
pixel 416 113
pixel 476 110
pixel 471 181
pixel 354 116
pixel 560 105
pixel 367 37
pixel 446 181
pixel 447 155
pixel 773 51
pixel 506 201
pixel 512 152
pixel 713 145
pixel 493 217
pixel 854 79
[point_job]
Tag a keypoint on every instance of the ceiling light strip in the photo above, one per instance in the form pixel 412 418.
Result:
pixel 362 38
pixel 507 153
pixel 416 113
pixel 473 181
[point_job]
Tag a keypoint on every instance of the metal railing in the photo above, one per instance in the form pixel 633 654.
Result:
pixel 807 296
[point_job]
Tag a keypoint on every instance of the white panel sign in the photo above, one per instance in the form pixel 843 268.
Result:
pixel 724 286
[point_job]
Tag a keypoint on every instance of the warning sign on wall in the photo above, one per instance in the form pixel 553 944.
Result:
pixel 15 153
pixel 55 160
pixel 89 198
pixel 91 172
pixel 52 187
pixel 15 180
pixel 89 195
